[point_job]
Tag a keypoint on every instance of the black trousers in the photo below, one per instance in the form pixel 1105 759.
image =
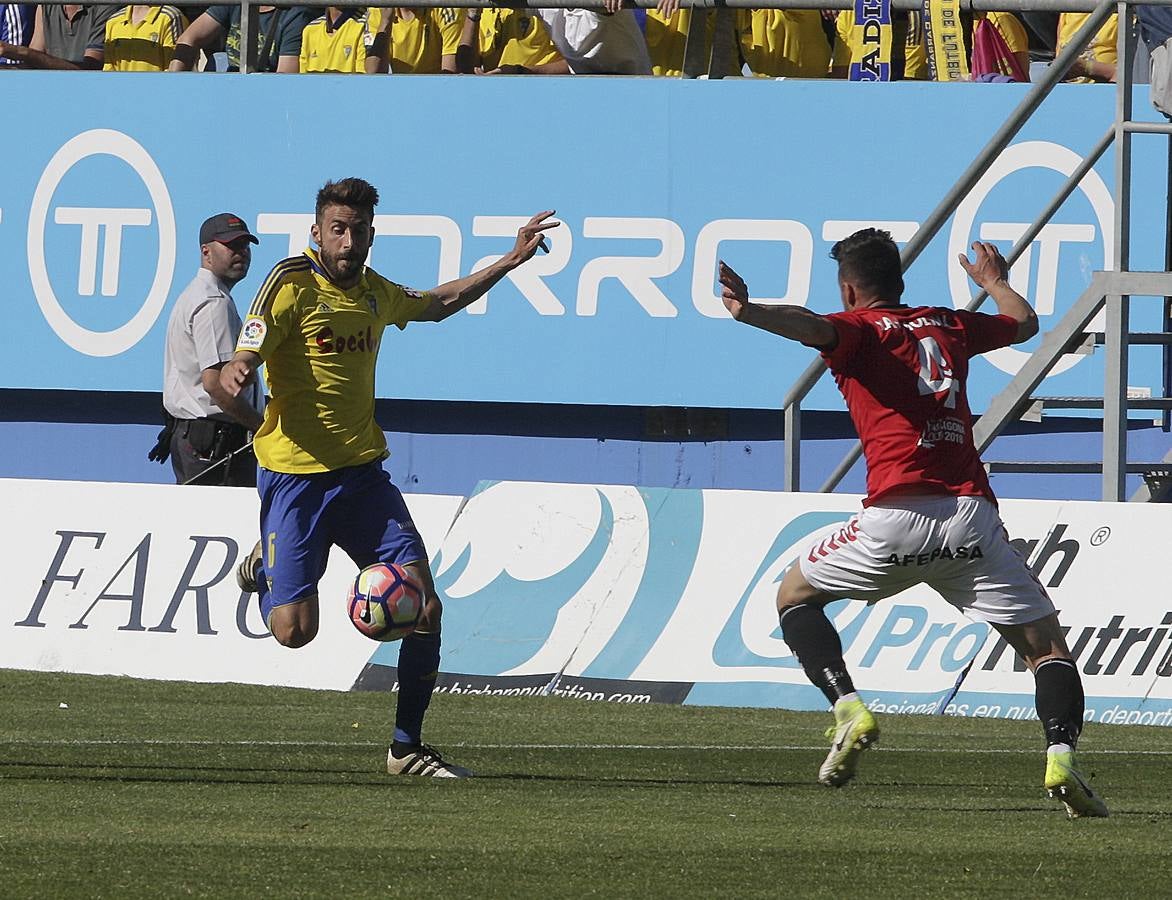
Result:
pixel 198 444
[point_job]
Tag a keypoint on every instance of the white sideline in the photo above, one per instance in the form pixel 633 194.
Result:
pixel 100 742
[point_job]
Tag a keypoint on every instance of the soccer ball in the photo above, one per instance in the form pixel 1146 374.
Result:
pixel 384 602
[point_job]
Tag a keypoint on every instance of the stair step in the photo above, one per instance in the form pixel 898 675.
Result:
pixel 1135 337
pixel 1097 402
pixel 1073 468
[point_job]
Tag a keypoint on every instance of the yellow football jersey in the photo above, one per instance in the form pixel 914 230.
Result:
pixel 514 37
pixel 1010 28
pixel 784 43
pixel 419 43
pixel 145 46
pixel 668 38
pixel 338 46
pixel 1104 46
pixel 320 344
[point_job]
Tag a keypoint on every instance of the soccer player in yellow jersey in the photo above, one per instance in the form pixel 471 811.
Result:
pixel 142 38
pixel 422 41
pixel 510 42
pixel 343 41
pixel 317 325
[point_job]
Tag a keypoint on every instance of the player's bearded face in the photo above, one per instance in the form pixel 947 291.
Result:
pixel 344 236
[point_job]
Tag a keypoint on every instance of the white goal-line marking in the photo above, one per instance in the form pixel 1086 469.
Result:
pixel 329 745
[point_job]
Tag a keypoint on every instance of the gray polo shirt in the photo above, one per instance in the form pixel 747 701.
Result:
pixel 201 333
pixel 69 39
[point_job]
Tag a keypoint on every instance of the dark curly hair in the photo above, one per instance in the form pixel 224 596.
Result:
pixel 352 192
pixel 869 259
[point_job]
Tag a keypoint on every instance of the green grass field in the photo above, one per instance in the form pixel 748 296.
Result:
pixel 145 788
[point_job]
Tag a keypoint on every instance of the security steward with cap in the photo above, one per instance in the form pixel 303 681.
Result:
pixel 207 431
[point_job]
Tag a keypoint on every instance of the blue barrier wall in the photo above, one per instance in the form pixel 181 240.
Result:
pixel 447 448
pixel 654 180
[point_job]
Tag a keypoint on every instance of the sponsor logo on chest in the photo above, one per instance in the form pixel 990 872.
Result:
pixel 344 328
pixel 327 341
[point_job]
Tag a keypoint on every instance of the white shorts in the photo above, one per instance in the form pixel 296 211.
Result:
pixel 955 545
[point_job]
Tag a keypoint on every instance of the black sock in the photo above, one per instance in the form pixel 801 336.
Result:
pixel 419 659
pixel 816 644
pixel 1059 700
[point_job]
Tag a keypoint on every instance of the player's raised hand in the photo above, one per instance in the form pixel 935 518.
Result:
pixel 531 236
pixel 988 267
pixel 734 292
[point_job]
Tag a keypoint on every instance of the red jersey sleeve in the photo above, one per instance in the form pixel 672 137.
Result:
pixel 851 332
pixel 984 332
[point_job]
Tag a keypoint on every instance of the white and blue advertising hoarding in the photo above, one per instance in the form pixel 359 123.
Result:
pixel 595 592
pixel 106 579
pixel 654 180
pixel 617 592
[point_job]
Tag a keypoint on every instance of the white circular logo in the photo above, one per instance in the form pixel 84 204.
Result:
pixel 1027 155
pixel 116 144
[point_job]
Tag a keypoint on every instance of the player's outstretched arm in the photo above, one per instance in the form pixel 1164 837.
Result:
pixel 990 271
pixel 453 296
pixel 239 372
pixel 794 322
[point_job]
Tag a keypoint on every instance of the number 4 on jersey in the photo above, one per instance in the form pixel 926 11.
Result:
pixel 936 371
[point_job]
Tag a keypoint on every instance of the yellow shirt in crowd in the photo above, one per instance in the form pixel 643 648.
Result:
pixel 514 37
pixel 1104 47
pixel 784 43
pixel 336 46
pixel 667 37
pixel 145 46
pixel 421 38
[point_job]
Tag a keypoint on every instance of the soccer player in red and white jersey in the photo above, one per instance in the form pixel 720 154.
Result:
pixel 930 515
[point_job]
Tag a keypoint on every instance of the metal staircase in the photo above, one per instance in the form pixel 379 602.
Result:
pixel 1111 291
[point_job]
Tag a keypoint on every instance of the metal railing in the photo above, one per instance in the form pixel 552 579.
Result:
pixel 1120 133
pixel 694 64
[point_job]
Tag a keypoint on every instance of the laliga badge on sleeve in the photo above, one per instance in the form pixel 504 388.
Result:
pixel 252 335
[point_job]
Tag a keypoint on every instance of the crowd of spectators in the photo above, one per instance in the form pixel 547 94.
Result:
pixel 771 43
